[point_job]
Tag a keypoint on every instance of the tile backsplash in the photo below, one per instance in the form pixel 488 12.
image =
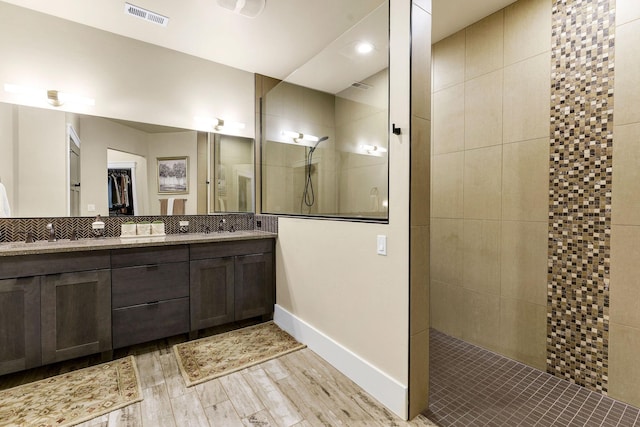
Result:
pixel 15 229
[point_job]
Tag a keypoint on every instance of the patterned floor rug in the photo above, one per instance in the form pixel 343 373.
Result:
pixel 208 358
pixel 74 397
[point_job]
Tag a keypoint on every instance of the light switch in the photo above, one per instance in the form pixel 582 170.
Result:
pixel 381 245
pixel 91 208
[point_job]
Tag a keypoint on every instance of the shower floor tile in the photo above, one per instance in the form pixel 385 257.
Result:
pixel 471 386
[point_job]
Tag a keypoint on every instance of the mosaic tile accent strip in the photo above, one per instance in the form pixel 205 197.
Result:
pixel 580 191
pixel 15 229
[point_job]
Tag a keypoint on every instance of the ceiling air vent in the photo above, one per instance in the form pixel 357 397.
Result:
pixel 147 15
pixel 362 86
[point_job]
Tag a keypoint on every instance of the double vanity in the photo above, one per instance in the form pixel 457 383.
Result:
pixel 66 299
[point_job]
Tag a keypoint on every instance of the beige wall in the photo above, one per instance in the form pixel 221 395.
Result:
pixel 127 78
pixel 174 144
pixel 8 142
pixel 624 326
pixel 328 273
pixel 490 171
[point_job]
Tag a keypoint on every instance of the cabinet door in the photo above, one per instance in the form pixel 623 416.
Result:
pixel 76 314
pixel 19 324
pixel 211 292
pixel 254 285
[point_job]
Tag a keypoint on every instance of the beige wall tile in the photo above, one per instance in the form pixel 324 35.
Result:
pixel 527 29
pixel 625 197
pixel 447 308
pixel 625 275
pixel 624 369
pixel 448 120
pixel 481 256
pixel 482 319
pixel 448 61
pixel 627 80
pixel 523 264
pixel 483 183
pixel 421 63
pixel 483 111
pixel 446 250
pixel 485 46
pixel 447 184
pixel 527 95
pixel 419 378
pixel 420 170
pixel 525 180
pixel 419 276
pixel 523 332
pixel 627 11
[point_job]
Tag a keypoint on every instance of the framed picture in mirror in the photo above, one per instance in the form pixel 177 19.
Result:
pixel 173 175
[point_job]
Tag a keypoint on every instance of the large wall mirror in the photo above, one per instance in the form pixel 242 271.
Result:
pixel 325 129
pixel 66 164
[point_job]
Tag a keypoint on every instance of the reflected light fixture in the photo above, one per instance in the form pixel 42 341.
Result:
pixel 372 150
pixel 217 124
pixel 298 136
pixel 53 97
pixel 364 48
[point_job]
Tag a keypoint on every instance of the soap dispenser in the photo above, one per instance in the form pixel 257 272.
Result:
pixel 98 226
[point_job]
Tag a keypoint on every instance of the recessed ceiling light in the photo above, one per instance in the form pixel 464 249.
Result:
pixel 364 47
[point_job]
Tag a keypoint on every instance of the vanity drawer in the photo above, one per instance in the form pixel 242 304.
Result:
pixel 148 322
pixel 148 283
pixel 148 255
pixel 233 248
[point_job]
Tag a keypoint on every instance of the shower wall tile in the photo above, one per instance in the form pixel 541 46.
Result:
pixel 447 308
pixel 481 256
pixel 448 61
pixel 627 73
pixel 525 176
pixel 526 99
pixel 627 11
pixel 523 332
pixel 446 250
pixel 481 314
pixel 447 185
pixel 523 265
pixel 447 118
pixel 483 183
pixel 484 46
pixel 483 111
pixel 624 369
pixel 527 29
pixel 625 275
pixel 580 193
pixel 625 202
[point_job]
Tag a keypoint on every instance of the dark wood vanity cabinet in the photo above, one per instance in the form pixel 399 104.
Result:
pixel 53 307
pixel 76 314
pixel 150 291
pixel 19 324
pixel 231 281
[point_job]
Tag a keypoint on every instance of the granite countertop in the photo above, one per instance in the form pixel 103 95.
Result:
pixel 65 245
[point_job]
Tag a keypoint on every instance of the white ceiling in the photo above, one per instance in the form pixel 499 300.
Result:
pixel 285 36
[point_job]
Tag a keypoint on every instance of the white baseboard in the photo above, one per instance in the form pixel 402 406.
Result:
pixel 385 389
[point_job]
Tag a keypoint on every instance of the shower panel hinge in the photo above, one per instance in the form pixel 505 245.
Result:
pixel 395 130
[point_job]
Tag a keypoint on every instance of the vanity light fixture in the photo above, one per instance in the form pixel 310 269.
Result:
pixel 298 136
pixel 53 97
pixel 372 150
pixel 217 124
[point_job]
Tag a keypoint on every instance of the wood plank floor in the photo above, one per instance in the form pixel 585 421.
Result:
pixel 299 389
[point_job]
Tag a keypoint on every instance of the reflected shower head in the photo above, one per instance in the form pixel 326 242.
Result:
pixel 323 138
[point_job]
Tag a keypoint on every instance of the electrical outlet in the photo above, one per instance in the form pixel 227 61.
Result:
pixel 258 224
pixel 91 208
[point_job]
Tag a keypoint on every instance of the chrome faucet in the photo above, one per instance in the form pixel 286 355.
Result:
pixel 52 232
